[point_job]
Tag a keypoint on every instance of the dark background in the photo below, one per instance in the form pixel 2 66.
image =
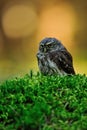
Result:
pixel 24 23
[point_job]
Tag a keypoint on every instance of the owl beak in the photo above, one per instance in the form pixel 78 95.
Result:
pixel 45 50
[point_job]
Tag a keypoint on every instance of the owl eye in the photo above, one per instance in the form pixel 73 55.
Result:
pixel 41 47
pixel 49 45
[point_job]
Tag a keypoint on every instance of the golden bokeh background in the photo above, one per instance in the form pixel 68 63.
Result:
pixel 24 23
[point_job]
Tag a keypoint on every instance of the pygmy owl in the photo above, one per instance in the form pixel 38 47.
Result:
pixel 54 58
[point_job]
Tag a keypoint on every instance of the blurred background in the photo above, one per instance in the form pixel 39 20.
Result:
pixel 24 23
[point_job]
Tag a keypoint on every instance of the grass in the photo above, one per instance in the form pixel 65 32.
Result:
pixel 37 102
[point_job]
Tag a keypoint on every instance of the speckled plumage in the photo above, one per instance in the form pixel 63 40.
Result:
pixel 53 58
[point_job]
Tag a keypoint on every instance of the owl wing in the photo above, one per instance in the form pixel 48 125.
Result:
pixel 63 60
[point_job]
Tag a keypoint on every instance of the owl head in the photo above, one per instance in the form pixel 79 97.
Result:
pixel 50 44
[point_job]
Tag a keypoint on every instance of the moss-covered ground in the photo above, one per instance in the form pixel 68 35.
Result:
pixel 37 102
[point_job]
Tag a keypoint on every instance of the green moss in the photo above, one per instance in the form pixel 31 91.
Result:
pixel 37 102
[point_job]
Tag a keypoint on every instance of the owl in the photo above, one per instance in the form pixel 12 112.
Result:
pixel 54 58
